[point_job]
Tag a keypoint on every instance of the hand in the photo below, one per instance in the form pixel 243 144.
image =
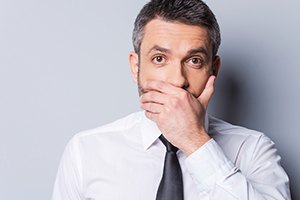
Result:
pixel 178 114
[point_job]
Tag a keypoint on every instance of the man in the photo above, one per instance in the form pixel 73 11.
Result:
pixel 175 64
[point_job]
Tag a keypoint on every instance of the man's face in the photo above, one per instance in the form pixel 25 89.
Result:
pixel 175 53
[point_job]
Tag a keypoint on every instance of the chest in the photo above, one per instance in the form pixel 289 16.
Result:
pixel 132 174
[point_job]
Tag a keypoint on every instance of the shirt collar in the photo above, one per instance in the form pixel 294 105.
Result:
pixel 150 132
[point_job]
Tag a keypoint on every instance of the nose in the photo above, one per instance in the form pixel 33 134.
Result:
pixel 177 77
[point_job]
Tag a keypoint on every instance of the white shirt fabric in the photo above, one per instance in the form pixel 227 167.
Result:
pixel 124 161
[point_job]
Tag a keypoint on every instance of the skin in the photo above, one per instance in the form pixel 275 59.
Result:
pixel 176 79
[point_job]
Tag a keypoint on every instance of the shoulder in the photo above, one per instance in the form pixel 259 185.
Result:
pixel 113 131
pixel 222 129
pixel 236 141
pixel 119 125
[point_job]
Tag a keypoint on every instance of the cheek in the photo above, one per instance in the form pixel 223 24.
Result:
pixel 148 72
pixel 197 84
pixel 196 90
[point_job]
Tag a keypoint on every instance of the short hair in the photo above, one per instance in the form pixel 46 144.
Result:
pixel 190 12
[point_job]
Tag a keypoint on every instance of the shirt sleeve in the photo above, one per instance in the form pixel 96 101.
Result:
pixel 67 185
pixel 217 177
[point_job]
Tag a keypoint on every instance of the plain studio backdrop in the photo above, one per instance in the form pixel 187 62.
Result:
pixel 64 68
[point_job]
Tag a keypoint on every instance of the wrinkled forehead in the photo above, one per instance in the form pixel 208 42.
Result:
pixel 175 36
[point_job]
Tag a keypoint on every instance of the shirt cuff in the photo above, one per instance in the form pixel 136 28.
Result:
pixel 208 165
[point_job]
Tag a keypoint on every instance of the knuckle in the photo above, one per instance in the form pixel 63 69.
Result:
pixel 175 102
pixel 167 109
pixel 153 95
pixel 159 85
pixel 151 107
pixel 184 95
pixel 144 97
pixel 149 95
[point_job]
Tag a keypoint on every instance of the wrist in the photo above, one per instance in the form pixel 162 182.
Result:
pixel 195 142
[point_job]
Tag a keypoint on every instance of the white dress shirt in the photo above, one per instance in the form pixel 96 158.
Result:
pixel 124 161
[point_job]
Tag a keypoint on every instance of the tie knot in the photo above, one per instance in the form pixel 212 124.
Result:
pixel 169 146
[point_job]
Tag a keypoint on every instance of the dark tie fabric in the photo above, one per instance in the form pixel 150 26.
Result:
pixel 171 185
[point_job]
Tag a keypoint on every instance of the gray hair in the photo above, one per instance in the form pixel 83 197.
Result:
pixel 190 12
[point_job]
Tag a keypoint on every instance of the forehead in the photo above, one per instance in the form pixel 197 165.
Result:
pixel 175 36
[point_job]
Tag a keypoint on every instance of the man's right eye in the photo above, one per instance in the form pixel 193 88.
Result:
pixel 159 60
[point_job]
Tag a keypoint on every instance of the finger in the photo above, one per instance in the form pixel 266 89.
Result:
pixel 154 108
pixel 162 87
pixel 154 96
pixel 151 116
pixel 208 92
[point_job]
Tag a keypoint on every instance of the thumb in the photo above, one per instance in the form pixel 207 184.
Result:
pixel 208 91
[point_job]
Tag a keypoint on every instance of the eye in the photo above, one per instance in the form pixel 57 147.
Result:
pixel 158 59
pixel 195 62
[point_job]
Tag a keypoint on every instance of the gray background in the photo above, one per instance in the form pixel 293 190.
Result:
pixel 63 69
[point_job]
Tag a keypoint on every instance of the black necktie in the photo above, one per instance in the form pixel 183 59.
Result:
pixel 171 185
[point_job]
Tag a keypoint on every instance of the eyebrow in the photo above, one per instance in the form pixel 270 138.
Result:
pixel 190 52
pixel 198 50
pixel 158 48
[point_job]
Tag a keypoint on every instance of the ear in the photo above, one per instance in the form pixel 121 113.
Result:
pixel 134 65
pixel 216 65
